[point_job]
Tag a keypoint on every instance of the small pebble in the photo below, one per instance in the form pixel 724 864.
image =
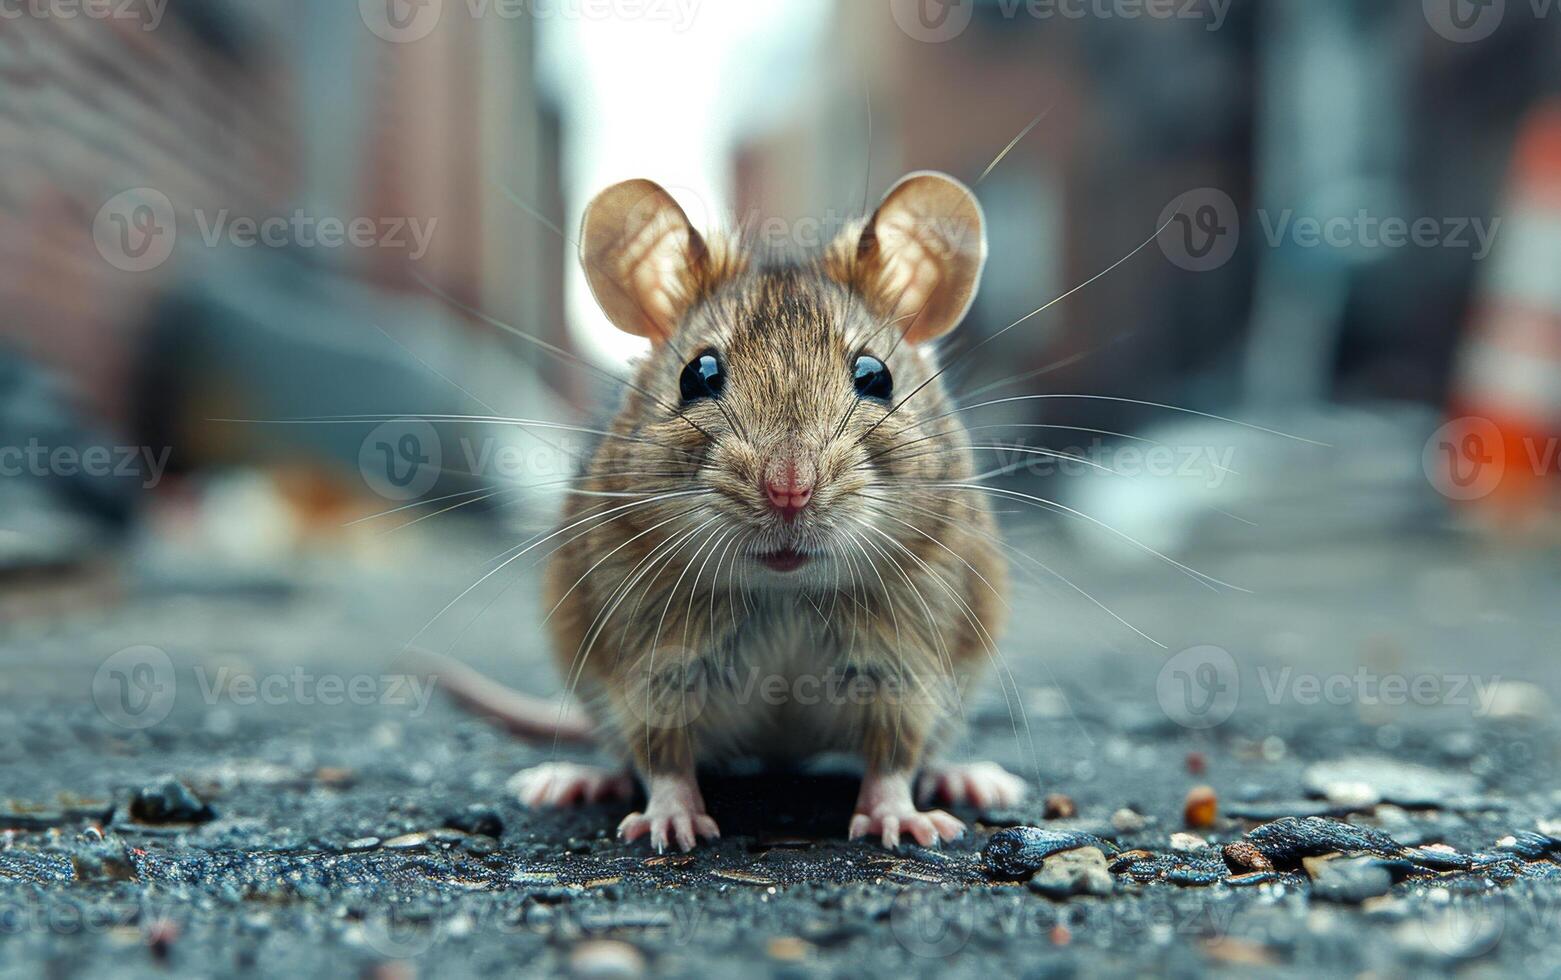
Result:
pixel 1201 808
pixel 168 801
pixel 1081 871
pixel 606 959
pixel 789 949
pixel 1059 806
pixel 1128 820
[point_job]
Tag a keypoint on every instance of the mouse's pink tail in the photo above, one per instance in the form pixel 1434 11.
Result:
pixel 531 718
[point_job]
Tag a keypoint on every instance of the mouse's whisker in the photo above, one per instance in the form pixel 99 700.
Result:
pixel 554 350
pixel 943 651
pixel 653 559
pixel 522 549
pixel 990 642
pixel 1204 579
pixel 1025 556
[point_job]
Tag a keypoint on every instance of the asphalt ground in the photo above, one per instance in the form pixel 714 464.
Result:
pixel 166 816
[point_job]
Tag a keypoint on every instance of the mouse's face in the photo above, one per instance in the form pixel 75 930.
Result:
pixel 798 401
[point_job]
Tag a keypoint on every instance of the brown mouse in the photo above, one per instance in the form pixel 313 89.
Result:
pixel 754 562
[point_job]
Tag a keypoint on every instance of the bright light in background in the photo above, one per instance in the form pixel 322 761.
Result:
pixel 667 98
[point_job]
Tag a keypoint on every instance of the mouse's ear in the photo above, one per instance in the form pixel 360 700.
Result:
pixel 643 259
pixel 919 256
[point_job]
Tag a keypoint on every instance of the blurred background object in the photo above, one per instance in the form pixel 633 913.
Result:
pixel 316 261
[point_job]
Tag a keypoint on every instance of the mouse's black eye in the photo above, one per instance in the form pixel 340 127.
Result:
pixel 703 377
pixel 872 378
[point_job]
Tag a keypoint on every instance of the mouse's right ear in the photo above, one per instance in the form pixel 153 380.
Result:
pixel 644 261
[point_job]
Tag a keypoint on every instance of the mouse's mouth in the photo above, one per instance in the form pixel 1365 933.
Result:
pixel 783 560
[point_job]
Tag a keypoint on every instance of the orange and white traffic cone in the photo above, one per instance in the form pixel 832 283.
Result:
pixel 1501 451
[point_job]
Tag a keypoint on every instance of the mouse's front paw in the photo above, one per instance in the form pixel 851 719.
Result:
pixel 928 828
pixel 675 811
pixel 682 826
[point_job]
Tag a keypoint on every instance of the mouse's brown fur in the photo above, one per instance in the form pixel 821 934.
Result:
pixel 681 642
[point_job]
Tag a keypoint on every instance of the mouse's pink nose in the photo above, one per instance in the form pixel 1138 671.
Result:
pixel 788 482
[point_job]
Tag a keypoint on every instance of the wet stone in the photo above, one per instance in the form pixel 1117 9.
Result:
pixel 1020 851
pixel 477 819
pixel 168 801
pixel 1529 844
pixel 1348 880
pixel 1285 843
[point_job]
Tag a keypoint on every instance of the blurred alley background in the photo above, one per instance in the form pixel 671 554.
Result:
pixel 220 217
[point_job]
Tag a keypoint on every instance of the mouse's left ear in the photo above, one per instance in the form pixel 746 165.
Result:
pixel 919 257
